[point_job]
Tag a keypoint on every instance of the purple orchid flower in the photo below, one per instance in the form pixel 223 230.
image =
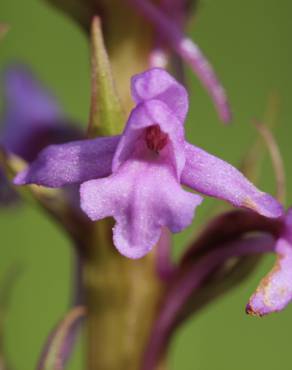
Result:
pixel 136 177
pixel 275 290
pixel 32 120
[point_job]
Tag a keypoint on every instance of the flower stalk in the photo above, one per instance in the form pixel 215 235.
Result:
pixel 121 296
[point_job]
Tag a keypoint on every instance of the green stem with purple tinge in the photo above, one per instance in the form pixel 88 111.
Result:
pixel 121 297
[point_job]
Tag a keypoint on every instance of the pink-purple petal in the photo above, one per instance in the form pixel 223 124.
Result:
pixel 71 163
pixel 275 290
pixel 212 176
pixel 140 205
pixel 157 84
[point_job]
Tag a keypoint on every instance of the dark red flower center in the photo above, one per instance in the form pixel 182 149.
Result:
pixel 155 138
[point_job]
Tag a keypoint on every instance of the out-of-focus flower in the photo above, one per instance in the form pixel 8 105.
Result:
pixel 144 169
pixel 169 28
pixel 32 120
pixel 148 31
pixel 275 290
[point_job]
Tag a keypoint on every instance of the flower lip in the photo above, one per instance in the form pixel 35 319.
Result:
pixel 155 139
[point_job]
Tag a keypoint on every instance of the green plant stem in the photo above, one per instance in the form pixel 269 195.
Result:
pixel 121 297
pixel 128 39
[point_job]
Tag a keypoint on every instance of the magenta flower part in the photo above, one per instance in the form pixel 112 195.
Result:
pixel 216 178
pixel 147 167
pixel 275 290
pixel 189 51
pixel 177 11
pixel 71 163
pixel 136 177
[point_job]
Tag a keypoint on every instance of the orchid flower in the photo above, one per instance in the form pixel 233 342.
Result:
pixel 137 177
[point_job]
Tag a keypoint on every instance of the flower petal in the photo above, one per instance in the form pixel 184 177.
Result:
pixel 70 163
pixel 275 290
pixel 214 177
pixel 157 84
pixel 142 197
pixel 152 112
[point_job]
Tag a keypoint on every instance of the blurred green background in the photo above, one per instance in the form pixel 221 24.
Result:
pixel 249 43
